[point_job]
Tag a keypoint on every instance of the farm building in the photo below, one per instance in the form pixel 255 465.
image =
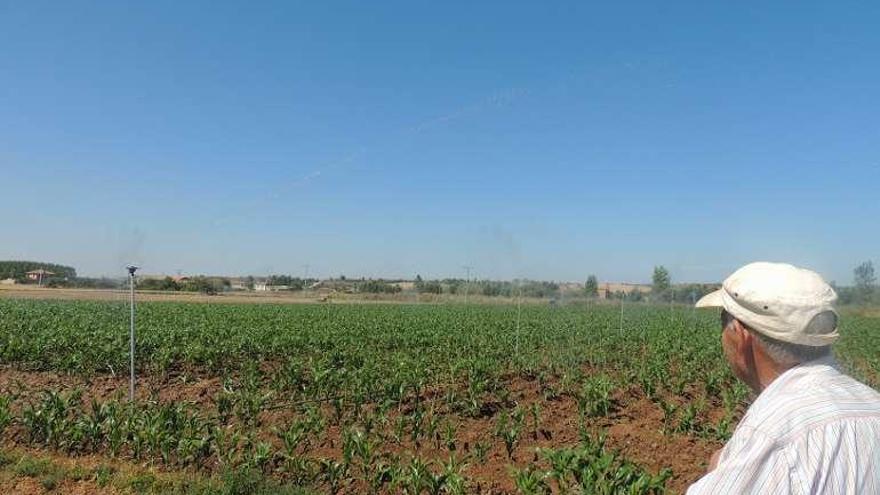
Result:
pixel 267 287
pixel 607 289
pixel 39 275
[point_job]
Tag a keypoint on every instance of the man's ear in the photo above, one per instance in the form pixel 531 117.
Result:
pixel 744 338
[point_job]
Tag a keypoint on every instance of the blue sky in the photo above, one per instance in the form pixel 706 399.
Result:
pixel 395 138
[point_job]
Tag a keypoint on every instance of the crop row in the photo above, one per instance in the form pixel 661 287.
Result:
pixel 390 398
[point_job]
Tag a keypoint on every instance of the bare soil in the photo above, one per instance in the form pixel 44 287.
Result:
pixel 634 427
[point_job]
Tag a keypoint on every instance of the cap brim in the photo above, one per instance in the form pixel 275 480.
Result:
pixel 710 300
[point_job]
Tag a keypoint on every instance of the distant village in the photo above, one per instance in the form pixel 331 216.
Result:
pixel 51 275
pixel 604 290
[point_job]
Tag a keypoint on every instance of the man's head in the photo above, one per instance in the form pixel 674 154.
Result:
pixel 774 316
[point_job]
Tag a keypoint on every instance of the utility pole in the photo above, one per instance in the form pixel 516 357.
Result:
pixel 305 285
pixel 131 269
pixel 467 281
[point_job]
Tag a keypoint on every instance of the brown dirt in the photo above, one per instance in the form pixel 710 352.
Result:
pixel 11 482
pixel 634 427
pixel 23 486
pixel 180 387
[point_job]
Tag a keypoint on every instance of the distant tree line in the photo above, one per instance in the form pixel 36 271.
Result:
pixel 377 287
pixel 63 276
pixel 85 283
pixel 17 270
pixel 202 284
pixel 429 287
pixel 489 288
pixel 292 283
pixel 662 289
pixel 864 289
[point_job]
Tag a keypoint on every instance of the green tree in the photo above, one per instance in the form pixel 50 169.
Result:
pixel 205 285
pixel 17 270
pixel 864 280
pixel 591 288
pixel 660 280
pixel 168 283
pixel 432 287
pixel 378 287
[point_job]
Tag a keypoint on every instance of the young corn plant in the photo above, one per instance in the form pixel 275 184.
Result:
pixel 530 481
pixel 687 421
pixel 535 415
pixel 481 451
pixel 545 385
pixel 449 436
pixel 5 411
pixel 380 473
pixel 594 397
pixel 258 456
pixel 455 480
pixel 669 413
pixel 416 424
pixel 432 428
pixel 300 470
pixel 420 479
pixel 357 445
pixel 333 473
pixel 592 468
pixel 292 437
pixel 51 421
pixel 508 429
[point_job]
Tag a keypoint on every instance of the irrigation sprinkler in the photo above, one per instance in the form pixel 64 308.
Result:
pixel 131 269
pixel 518 313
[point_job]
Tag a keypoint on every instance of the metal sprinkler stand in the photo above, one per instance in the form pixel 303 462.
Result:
pixel 131 269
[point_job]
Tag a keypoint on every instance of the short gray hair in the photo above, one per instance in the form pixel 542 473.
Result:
pixel 786 353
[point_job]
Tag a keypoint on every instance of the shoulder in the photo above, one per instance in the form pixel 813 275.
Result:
pixel 811 399
pixel 751 462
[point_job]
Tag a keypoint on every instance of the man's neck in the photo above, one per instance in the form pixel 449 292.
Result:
pixel 768 370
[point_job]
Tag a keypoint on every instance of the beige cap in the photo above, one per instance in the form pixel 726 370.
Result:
pixel 781 301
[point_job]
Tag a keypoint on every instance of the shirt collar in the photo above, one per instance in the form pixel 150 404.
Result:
pixel 796 371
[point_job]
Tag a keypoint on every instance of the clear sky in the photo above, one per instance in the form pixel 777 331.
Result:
pixel 393 138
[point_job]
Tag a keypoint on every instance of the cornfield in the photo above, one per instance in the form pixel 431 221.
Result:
pixel 385 398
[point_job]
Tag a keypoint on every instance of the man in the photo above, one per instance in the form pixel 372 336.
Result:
pixel 812 429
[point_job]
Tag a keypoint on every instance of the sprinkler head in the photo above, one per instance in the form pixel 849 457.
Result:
pixel 131 269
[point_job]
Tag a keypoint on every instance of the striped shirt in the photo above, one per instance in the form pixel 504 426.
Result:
pixel 812 430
